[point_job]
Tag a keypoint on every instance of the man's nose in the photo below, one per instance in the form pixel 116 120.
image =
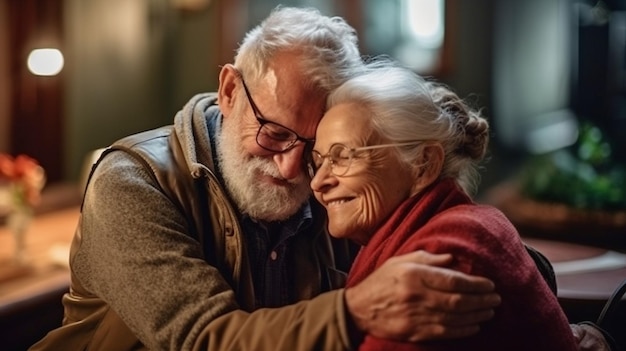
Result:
pixel 290 162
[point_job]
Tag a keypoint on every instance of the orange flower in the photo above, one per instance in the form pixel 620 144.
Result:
pixel 25 177
pixel 6 167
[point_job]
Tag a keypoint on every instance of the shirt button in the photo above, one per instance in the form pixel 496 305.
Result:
pixel 273 255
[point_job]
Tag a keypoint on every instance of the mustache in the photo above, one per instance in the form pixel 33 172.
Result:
pixel 269 168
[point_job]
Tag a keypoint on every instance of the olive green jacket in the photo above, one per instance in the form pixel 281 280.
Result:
pixel 158 261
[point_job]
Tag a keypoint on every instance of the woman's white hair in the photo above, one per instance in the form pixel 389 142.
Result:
pixel 406 107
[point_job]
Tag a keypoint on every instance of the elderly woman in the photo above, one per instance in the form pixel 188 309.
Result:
pixel 394 162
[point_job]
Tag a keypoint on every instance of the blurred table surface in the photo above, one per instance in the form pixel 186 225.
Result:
pixel 586 277
pixel 583 272
pixel 46 269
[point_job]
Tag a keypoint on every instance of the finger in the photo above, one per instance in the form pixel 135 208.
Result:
pixel 458 303
pixel 437 331
pixel 459 332
pixel 450 319
pixel 474 302
pixel 454 281
pixel 426 258
pixel 466 319
pixel 577 332
pixel 449 326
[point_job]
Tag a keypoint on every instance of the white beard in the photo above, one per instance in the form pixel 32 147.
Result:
pixel 241 172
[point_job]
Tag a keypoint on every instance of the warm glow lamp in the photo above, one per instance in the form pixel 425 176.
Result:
pixel 45 62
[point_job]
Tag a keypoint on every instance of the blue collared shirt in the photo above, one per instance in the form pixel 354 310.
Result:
pixel 267 245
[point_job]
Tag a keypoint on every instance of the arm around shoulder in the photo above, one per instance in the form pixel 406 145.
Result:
pixel 316 324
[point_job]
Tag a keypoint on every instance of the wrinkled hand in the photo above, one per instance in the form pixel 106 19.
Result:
pixel 589 338
pixel 411 298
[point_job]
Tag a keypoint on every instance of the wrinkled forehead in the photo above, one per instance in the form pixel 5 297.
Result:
pixel 286 98
pixel 346 123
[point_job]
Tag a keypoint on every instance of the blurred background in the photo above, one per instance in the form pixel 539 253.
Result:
pixel 534 66
pixel 550 75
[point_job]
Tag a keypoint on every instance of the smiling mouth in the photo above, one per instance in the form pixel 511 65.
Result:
pixel 338 202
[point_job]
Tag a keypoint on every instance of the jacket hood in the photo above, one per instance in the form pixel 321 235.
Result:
pixel 191 128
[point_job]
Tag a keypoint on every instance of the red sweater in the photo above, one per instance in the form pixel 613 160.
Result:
pixel 442 219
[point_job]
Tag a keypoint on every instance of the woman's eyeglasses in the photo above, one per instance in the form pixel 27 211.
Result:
pixel 340 157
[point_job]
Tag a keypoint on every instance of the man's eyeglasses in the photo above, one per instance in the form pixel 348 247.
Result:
pixel 340 157
pixel 273 136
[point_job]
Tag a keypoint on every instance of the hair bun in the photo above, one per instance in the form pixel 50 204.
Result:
pixel 476 136
pixel 472 128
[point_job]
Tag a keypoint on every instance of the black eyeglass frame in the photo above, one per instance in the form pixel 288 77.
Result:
pixel 264 122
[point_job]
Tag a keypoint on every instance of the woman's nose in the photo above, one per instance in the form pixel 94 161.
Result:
pixel 323 177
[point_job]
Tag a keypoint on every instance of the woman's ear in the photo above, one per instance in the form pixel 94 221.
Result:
pixel 226 90
pixel 429 166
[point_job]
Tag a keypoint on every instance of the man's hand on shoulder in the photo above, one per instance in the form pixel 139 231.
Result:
pixel 412 298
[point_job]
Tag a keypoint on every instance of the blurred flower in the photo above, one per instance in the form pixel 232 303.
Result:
pixel 21 182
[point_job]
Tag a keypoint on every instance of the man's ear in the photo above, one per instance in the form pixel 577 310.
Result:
pixel 226 89
pixel 429 166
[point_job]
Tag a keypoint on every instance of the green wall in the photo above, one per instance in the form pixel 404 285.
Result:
pixel 131 65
